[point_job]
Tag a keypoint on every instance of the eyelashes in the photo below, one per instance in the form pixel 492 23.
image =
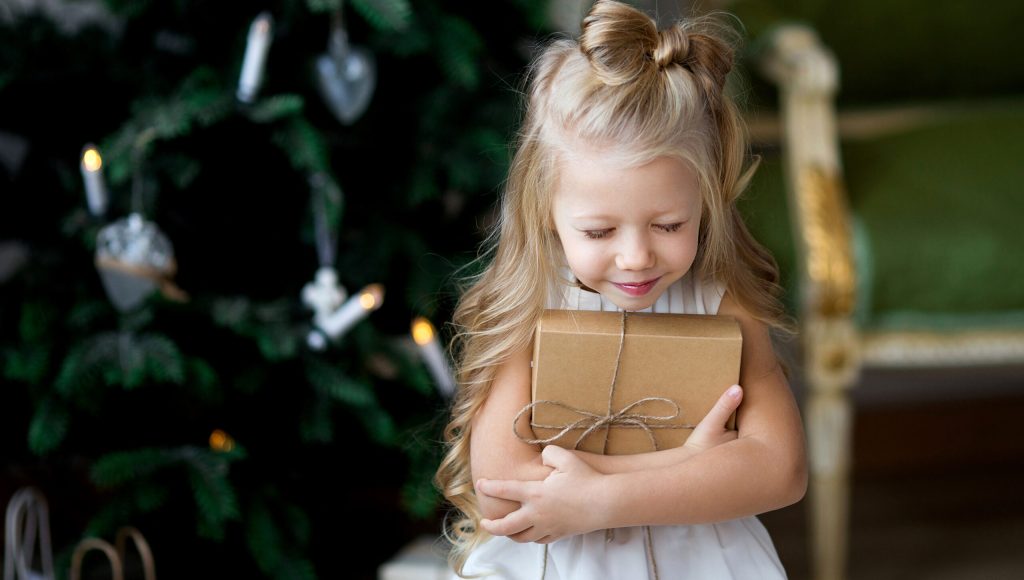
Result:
pixel 599 234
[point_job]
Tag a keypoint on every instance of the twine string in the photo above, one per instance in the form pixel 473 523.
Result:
pixel 590 422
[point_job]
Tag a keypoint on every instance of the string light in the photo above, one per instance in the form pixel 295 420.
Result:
pixel 95 186
pixel 423 334
pixel 221 441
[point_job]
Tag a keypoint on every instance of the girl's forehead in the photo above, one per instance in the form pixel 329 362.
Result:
pixel 590 184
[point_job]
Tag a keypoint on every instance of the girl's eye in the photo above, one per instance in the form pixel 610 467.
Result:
pixel 596 234
pixel 669 228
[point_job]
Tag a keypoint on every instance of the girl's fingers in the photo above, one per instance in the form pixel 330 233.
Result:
pixel 556 457
pixel 723 409
pixel 510 489
pixel 512 525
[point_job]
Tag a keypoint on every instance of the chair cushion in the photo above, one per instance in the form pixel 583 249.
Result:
pixel 938 220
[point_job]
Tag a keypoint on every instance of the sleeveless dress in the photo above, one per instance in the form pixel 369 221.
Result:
pixel 736 549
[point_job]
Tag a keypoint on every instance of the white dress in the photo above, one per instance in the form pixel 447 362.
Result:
pixel 737 549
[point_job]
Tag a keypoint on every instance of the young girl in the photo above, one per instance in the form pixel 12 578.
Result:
pixel 621 196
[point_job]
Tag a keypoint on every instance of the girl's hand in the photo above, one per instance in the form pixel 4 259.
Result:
pixel 711 430
pixel 560 505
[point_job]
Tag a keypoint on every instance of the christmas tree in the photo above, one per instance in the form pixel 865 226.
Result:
pixel 205 316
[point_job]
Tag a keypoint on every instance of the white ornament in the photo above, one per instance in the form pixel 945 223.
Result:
pixel 323 295
pixel 135 258
pixel 346 76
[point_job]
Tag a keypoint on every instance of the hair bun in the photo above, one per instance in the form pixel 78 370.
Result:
pixel 619 41
pixel 673 47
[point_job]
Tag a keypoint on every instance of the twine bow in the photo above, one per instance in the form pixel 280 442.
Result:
pixel 590 422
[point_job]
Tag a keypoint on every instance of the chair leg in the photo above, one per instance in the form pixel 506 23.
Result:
pixel 832 360
pixel 829 415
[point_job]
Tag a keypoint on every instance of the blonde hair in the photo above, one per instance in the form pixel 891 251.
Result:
pixel 641 92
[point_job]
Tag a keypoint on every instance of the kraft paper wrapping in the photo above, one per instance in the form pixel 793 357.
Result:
pixel 688 359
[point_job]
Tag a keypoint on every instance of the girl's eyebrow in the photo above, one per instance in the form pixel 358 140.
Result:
pixel 680 214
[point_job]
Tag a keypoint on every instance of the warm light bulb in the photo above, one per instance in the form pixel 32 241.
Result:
pixel 221 441
pixel 91 159
pixel 422 331
pixel 371 297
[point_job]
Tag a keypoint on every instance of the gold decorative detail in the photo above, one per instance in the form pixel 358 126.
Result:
pixel 821 203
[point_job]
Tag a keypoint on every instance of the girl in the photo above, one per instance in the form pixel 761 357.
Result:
pixel 621 196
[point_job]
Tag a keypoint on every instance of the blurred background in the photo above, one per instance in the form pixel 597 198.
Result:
pixel 231 235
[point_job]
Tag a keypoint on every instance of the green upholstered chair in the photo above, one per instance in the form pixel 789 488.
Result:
pixel 902 243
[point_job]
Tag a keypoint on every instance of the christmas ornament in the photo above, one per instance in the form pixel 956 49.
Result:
pixel 346 75
pixel 430 349
pixel 323 295
pixel 338 322
pixel 135 258
pixel 95 186
pixel 253 62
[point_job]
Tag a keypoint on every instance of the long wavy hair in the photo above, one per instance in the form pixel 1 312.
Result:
pixel 643 93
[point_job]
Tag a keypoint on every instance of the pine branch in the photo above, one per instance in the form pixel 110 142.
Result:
pixel 458 51
pixel 388 15
pixel 36 322
pixel 142 498
pixel 122 467
pixel 267 541
pixel 215 498
pixel 203 381
pixel 200 99
pixel 304 146
pixel 323 5
pixel 49 426
pixel 329 380
pixel 276 107
pixel 28 365
pixel 162 359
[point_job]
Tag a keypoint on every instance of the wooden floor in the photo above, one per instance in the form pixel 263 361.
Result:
pixel 938 485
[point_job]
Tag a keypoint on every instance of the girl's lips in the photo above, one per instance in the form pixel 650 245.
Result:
pixel 637 289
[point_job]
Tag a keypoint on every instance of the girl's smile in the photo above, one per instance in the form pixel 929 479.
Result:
pixel 628 232
pixel 636 288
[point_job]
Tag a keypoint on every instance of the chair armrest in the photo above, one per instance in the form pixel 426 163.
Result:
pixel 807 76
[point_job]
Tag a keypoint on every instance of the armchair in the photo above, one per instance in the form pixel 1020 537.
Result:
pixel 907 242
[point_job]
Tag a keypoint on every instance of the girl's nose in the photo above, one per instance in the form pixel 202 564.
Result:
pixel 635 253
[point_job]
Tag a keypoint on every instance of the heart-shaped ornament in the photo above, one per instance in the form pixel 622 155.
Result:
pixel 346 76
pixel 134 258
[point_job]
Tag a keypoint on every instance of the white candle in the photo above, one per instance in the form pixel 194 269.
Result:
pixel 95 186
pixel 352 311
pixel 434 357
pixel 255 56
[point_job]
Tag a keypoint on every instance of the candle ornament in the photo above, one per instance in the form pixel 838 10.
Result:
pixel 425 337
pixel 96 194
pixel 255 58
pixel 337 323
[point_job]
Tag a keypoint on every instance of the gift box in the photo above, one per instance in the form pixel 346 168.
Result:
pixel 671 370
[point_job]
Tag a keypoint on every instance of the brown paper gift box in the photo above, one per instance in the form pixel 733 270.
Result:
pixel 690 359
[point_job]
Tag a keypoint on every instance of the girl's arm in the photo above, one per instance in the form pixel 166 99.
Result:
pixel 496 453
pixel 763 469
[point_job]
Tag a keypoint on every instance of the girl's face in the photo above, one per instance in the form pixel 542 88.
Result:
pixel 627 232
